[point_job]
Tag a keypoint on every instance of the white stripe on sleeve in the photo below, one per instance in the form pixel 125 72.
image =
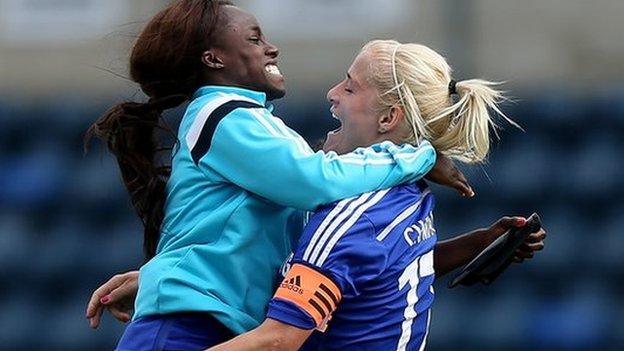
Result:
pixel 202 116
pixel 348 224
pixel 265 123
pixel 287 131
pixel 328 219
pixel 382 158
pixel 334 224
pixel 280 131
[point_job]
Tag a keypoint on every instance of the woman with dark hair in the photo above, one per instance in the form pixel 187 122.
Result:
pixel 220 221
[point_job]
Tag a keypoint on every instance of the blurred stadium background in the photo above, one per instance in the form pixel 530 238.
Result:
pixel 66 224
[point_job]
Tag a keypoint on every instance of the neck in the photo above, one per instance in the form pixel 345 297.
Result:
pixel 221 81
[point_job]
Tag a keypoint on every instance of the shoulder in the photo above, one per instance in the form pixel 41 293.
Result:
pixel 378 208
pixel 214 107
pixel 207 114
pixel 341 228
pixel 374 208
pixel 339 241
pixel 410 205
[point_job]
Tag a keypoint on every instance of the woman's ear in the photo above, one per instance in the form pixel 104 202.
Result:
pixel 391 120
pixel 211 60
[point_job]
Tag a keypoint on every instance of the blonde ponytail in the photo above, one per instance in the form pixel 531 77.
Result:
pixel 417 78
pixel 467 137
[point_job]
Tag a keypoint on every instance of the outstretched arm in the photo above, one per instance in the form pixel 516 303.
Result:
pixel 456 252
pixel 259 153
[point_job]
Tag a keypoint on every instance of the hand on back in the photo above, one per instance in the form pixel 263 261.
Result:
pixel 446 173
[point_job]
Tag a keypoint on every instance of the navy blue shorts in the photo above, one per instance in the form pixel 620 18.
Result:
pixel 173 332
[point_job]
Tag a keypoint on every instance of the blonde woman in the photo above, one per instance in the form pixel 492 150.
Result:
pixel 363 270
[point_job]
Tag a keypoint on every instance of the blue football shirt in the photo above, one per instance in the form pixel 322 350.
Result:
pixel 363 273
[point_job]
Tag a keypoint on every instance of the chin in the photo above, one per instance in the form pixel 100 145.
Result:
pixel 337 148
pixel 275 93
pixel 327 148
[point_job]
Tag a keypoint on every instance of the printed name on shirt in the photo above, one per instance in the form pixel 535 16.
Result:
pixel 421 231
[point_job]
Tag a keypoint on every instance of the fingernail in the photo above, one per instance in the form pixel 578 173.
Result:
pixel 106 299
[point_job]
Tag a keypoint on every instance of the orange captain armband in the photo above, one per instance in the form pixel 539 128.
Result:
pixel 311 291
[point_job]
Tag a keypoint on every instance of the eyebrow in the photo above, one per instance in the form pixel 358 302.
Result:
pixel 257 29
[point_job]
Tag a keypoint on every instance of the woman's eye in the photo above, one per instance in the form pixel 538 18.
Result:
pixel 348 90
pixel 255 39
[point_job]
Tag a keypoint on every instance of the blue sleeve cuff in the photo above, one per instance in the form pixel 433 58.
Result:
pixel 289 313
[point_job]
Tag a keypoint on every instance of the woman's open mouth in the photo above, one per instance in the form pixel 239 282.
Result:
pixel 272 69
pixel 333 137
pixel 337 130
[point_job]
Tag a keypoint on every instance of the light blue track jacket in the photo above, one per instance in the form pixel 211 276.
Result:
pixel 240 178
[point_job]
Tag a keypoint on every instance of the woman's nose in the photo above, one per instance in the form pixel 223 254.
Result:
pixel 272 50
pixel 331 96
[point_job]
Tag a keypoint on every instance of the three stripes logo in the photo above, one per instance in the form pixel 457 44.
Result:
pixel 293 284
pixel 321 301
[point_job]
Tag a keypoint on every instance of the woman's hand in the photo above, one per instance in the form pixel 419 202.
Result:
pixel 117 295
pixel 444 172
pixel 533 243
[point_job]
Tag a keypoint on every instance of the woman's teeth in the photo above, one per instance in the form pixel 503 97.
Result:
pixel 338 119
pixel 272 69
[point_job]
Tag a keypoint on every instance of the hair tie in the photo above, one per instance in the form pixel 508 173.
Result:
pixel 452 87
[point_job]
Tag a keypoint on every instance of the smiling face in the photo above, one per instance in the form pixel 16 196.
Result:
pixel 243 57
pixel 353 103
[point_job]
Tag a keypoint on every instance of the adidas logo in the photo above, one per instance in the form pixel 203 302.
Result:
pixel 293 284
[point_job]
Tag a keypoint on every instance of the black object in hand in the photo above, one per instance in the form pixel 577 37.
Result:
pixel 495 258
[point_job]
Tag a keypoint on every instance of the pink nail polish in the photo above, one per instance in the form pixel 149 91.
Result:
pixel 106 299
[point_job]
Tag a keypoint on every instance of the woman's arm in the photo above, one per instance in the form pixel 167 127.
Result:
pixel 271 335
pixel 258 153
pixel 456 252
